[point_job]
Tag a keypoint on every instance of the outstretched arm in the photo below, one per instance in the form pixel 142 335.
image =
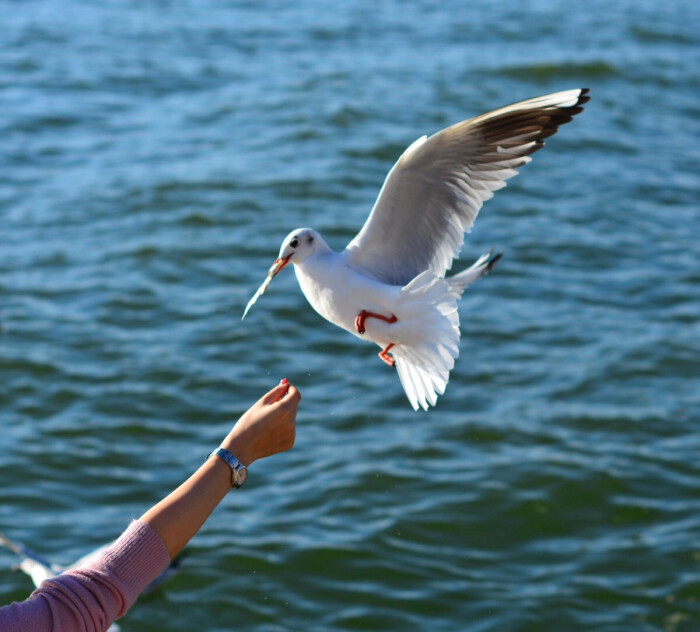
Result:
pixel 90 597
pixel 266 428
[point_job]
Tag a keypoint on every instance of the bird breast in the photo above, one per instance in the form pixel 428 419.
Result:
pixel 339 293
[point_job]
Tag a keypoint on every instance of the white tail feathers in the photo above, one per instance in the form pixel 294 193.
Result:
pixel 424 365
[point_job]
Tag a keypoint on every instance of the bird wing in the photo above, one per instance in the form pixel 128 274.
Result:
pixel 434 192
pixel 36 570
pixel 34 565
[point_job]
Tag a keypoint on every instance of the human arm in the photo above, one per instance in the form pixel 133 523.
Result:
pixel 90 597
pixel 267 428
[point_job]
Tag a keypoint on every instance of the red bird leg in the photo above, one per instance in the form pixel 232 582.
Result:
pixel 385 357
pixel 364 315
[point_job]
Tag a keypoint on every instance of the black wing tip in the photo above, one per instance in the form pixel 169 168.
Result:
pixel 583 97
pixel 563 115
pixel 493 260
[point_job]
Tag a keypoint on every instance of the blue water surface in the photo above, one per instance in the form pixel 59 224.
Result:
pixel 153 155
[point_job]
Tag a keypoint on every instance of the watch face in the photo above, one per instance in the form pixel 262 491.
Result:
pixel 240 475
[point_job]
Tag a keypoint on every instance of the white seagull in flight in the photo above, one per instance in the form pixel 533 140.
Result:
pixel 388 286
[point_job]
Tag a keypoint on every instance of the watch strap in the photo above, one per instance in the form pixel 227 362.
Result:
pixel 232 462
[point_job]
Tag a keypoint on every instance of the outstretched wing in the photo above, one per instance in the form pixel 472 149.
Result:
pixel 434 192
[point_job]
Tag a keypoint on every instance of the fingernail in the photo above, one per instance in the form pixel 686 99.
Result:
pixel 284 381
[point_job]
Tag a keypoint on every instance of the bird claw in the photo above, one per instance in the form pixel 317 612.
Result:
pixel 386 358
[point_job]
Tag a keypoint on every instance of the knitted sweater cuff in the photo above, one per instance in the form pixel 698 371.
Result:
pixel 137 557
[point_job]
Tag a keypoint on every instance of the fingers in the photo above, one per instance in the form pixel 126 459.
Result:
pixel 284 391
pixel 293 394
pixel 267 427
pixel 276 394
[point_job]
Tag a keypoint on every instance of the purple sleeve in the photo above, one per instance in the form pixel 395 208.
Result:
pixel 89 598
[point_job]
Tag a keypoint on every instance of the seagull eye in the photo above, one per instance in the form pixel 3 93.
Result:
pixel 294 243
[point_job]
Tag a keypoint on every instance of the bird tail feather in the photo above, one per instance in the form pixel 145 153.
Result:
pixel 425 363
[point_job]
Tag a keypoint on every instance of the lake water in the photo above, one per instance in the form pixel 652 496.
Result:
pixel 152 157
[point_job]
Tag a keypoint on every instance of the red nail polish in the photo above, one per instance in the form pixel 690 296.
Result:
pixel 284 381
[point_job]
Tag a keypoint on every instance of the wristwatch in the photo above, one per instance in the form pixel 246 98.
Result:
pixel 239 472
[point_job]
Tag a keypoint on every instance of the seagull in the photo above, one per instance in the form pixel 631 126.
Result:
pixel 39 568
pixel 388 286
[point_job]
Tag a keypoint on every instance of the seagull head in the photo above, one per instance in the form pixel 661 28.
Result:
pixel 296 248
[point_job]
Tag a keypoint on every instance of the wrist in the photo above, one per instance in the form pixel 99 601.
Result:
pixel 237 447
pixel 237 471
pixel 220 471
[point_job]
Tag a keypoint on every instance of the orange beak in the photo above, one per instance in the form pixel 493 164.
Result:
pixel 277 266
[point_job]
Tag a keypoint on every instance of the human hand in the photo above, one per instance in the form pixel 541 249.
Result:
pixel 267 427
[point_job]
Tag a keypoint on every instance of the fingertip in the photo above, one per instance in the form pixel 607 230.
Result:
pixel 276 393
pixel 294 393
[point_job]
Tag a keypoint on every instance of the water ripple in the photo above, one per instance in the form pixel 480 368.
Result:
pixel 155 156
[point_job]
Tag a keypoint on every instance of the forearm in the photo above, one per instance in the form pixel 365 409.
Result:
pixel 179 516
pixel 267 428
